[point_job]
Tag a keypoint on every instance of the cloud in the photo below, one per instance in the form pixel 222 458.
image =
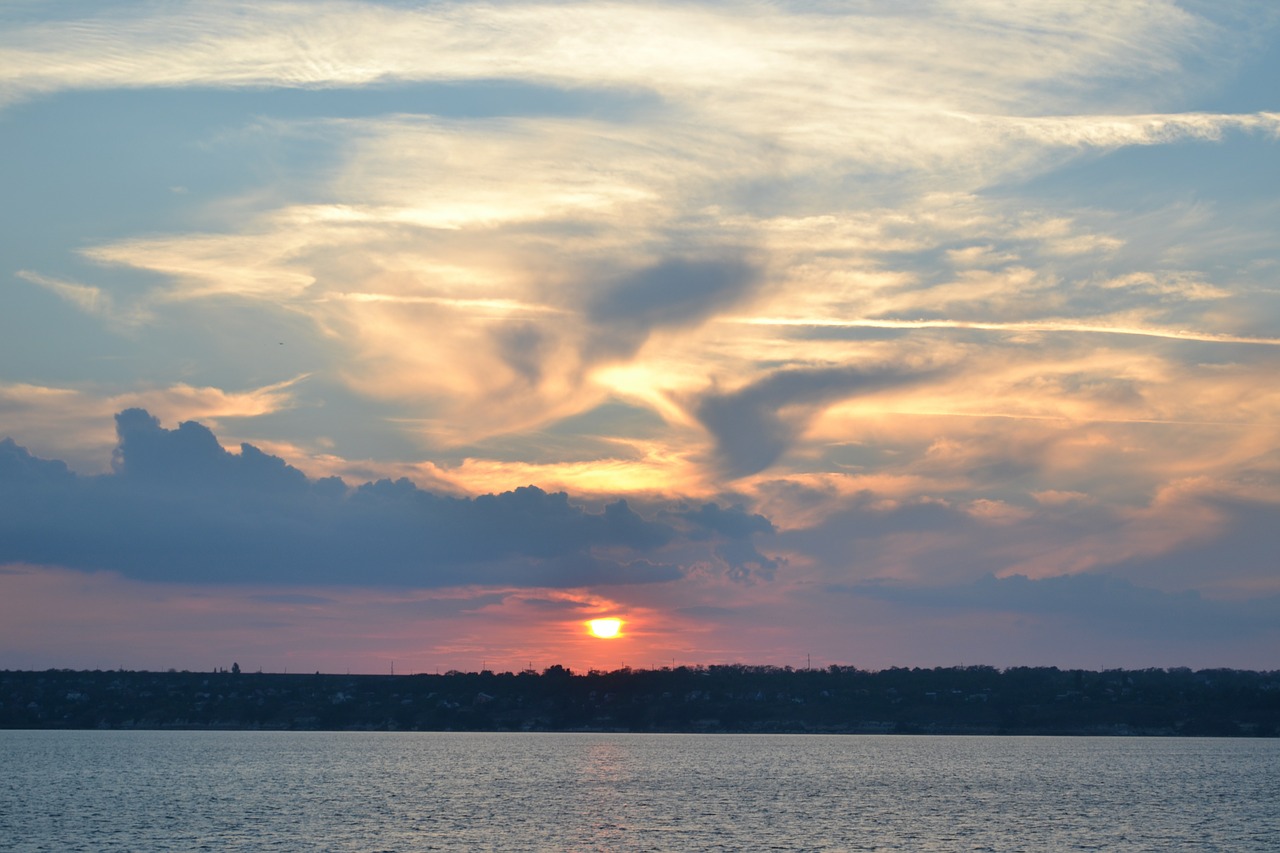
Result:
pixel 179 507
pixel 1091 600
pixel 673 294
pixel 733 522
pixel 1202 535
pixel 90 299
pixel 21 468
pixel 1235 557
pixel 807 167
pixel 75 421
pixel 675 48
pixel 754 425
pixel 1033 326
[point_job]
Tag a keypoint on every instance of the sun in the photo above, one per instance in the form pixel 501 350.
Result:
pixel 604 628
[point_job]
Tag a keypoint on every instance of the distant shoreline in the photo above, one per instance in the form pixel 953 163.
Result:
pixel 975 700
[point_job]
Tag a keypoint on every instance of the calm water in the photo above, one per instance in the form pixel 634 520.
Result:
pixel 109 791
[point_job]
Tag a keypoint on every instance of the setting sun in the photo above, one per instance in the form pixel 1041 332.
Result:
pixel 604 628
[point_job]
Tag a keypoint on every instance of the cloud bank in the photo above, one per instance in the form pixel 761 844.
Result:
pixel 178 507
pixel 1093 602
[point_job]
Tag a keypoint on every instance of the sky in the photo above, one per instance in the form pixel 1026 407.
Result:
pixel 356 336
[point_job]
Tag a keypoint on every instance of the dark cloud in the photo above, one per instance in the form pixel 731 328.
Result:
pixel 733 522
pixel 523 348
pixel 1092 600
pixel 1246 548
pixel 191 455
pixel 676 293
pixel 178 506
pixel 734 528
pixel 755 425
pixel 19 467
pixel 745 562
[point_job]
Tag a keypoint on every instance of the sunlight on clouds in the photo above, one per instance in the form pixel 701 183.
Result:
pixel 76 423
pixel 653 470
pixel 997 512
pixel 1115 131
pixel 1174 519
pixel 656 383
pixel 670 46
pixel 244 265
pixel 797 501
pixel 1029 326
pixel 438 174
pixel 1181 285
pixel 446 228
pixel 408 286
pixel 412 351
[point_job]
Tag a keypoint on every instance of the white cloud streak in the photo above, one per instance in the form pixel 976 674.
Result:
pixel 671 46
pixel 1038 326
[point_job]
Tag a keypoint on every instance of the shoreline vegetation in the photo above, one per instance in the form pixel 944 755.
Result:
pixel 731 698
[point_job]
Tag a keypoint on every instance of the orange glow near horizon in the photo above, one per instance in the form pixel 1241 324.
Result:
pixel 605 629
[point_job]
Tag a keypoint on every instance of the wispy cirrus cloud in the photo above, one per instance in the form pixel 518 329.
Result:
pixel 344 43
pixel 1028 326
pixel 89 299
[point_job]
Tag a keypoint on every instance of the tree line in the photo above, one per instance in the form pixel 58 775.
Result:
pixel 721 698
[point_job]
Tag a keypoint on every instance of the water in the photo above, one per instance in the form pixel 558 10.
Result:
pixel 144 791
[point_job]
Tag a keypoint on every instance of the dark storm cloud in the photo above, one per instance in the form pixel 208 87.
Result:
pixel 755 425
pixel 178 506
pixel 1092 600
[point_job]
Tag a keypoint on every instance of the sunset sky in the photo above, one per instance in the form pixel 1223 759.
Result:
pixel 348 335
